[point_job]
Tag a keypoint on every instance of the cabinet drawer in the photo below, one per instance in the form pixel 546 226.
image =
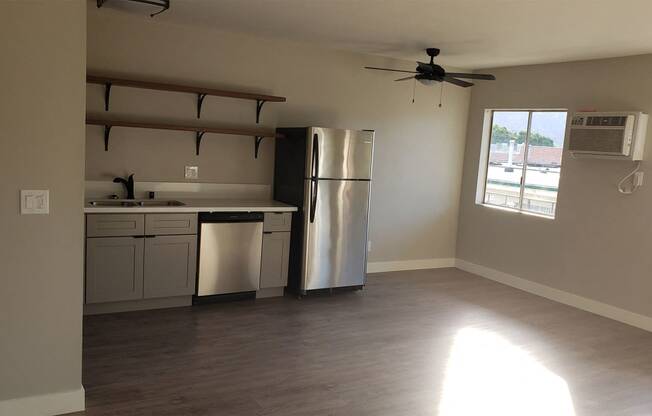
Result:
pixel 170 224
pixel 114 225
pixel 277 221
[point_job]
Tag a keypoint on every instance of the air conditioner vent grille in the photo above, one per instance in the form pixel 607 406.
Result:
pixel 604 141
pixel 616 135
pixel 610 121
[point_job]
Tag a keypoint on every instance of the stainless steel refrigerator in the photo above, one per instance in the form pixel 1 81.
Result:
pixel 327 174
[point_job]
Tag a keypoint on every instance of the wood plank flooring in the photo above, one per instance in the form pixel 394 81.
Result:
pixel 429 342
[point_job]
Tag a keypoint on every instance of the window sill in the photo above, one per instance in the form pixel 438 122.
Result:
pixel 516 211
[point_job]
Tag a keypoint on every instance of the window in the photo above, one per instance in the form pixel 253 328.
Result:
pixel 522 151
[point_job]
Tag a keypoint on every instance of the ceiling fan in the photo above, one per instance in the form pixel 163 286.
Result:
pixel 426 72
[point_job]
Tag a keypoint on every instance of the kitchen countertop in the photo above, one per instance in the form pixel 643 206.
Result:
pixel 198 205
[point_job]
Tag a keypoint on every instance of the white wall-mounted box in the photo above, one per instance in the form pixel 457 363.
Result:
pixel 191 172
pixel 618 135
pixel 34 202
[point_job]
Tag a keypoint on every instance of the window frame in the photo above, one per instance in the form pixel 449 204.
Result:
pixel 483 168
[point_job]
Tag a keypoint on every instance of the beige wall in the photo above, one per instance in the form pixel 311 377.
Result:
pixel 600 244
pixel 418 150
pixel 42 49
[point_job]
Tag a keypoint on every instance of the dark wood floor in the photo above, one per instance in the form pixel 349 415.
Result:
pixel 432 342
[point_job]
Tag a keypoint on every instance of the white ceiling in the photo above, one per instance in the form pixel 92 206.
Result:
pixel 471 33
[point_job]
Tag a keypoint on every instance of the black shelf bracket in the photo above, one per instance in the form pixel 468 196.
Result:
pixel 107 133
pixel 200 101
pixel 257 141
pixel 107 95
pixel 259 106
pixel 164 4
pixel 198 138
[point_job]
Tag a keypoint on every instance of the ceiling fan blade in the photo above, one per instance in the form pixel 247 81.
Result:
pixel 457 82
pixel 391 70
pixel 405 79
pixel 471 76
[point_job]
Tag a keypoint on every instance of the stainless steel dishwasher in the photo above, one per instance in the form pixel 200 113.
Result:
pixel 230 246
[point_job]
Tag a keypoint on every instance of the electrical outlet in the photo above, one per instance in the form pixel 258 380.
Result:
pixel 369 246
pixel 192 172
pixel 34 202
pixel 638 179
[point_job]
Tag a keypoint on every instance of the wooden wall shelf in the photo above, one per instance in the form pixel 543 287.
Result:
pixel 108 82
pixel 258 134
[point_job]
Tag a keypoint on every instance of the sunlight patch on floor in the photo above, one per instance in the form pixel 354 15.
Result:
pixel 487 375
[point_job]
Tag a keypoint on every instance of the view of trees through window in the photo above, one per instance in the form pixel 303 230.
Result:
pixel 525 160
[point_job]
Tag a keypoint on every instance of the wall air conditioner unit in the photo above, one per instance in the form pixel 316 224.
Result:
pixel 613 135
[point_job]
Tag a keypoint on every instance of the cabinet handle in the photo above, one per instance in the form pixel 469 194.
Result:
pixel 150 236
pixel 138 236
pixel 267 232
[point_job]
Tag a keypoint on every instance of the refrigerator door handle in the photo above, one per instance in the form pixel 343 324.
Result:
pixel 314 186
pixel 315 156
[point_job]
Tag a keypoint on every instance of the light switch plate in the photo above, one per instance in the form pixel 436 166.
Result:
pixel 34 201
pixel 192 172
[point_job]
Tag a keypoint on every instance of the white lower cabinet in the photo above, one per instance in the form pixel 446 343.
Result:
pixel 144 258
pixel 275 257
pixel 170 266
pixel 125 264
pixel 114 269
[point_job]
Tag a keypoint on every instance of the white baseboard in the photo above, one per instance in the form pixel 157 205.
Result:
pixel 394 266
pixel 589 305
pixel 45 404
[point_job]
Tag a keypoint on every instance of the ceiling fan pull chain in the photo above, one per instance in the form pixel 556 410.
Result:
pixel 441 92
pixel 414 87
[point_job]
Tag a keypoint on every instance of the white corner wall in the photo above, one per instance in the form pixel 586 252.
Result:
pixel 598 247
pixel 419 147
pixel 42 94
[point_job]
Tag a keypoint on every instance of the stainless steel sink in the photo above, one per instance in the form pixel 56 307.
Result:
pixel 159 203
pixel 135 203
pixel 112 203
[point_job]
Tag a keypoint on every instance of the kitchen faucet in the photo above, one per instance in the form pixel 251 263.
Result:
pixel 128 183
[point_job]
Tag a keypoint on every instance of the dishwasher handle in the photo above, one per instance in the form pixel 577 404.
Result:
pixel 207 217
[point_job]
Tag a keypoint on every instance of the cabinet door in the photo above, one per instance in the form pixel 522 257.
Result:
pixel 274 265
pixel 114 269
pixel 170 265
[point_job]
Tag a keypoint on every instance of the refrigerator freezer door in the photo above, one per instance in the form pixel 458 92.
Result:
pixel 339 154
pixel 335 237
